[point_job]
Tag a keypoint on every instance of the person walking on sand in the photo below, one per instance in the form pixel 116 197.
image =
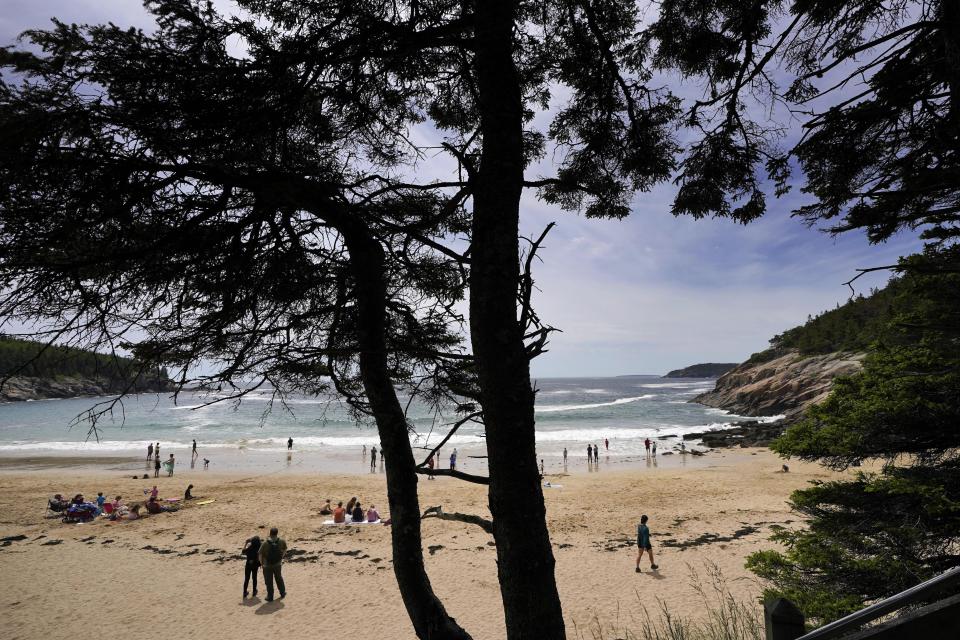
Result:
pixel 251 549
pixel 194 454
pixel 271 557
pixel 150 451
pixel 373 458
pixel 289 444
pixel 156 466
pixel 643 543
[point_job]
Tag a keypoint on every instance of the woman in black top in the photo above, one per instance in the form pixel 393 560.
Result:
pixel 357 514
pixel 251 549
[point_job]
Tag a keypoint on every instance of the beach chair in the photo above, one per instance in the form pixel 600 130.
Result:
pixel 55 508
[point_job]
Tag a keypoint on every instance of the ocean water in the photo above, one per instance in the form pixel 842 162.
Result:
pixel 570 412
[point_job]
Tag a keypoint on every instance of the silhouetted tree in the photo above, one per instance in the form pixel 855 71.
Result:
pixel 158 185
pixel 874 86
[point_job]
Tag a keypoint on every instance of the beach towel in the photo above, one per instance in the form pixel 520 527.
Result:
pixel 205 501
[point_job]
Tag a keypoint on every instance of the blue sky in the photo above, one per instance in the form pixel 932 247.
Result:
pixel 648 293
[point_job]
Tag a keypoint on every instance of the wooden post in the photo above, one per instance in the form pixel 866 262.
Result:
pixel 782 619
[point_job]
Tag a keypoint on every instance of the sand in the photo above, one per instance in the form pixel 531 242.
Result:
pixel 178 575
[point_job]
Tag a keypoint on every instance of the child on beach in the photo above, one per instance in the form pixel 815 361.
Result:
pixel 326 509
pixel 643 543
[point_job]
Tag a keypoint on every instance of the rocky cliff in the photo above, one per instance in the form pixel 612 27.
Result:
pixel 29 388
pixel 785 384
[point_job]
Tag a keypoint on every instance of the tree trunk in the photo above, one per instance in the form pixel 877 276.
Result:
pixel 525 563
pixel 430 619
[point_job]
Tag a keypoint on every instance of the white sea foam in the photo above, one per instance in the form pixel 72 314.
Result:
pixel 576 407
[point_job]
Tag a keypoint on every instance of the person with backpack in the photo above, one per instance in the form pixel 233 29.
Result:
pixel 271 557
pixel 251 549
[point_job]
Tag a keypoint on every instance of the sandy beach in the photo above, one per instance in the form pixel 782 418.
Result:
pixel 180 575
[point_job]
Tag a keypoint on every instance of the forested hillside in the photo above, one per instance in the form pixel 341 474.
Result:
pixel 31 370
pixel 853 326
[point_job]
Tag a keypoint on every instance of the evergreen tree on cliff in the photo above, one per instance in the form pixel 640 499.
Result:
pixel 876 86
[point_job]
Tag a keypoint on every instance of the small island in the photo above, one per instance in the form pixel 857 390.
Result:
pixel 703 370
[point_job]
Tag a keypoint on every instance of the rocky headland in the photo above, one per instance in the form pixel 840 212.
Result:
pixel 777 382
pixel 703 370
pixel 19 388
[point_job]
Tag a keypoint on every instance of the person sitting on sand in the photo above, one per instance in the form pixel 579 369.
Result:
pixel 154 493
pixel 339 514
pixel 134 512
pixel 372 514
pixel 153 506
pixel 77 499
pixel 57 503
pixel 327 508
pixel 187 495
pixel 351 503
pixel 357 513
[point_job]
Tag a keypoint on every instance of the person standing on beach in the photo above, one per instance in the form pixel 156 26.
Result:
pixel 373 458
pixel 170 464
pixel 654 447
pixel 596 453
pixel 251 549
pixel 289 444
pixel 606 443
pixel 589 454
pixel 643 543
pixel 194 454
pixel 150 451
pixel 453 460
pixel 430 464
pixel 271 557
pixel 156 466
pixel 564 456
pixel 646 444
pixel 156 451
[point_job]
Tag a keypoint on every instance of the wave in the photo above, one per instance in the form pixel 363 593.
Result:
pixel 576 407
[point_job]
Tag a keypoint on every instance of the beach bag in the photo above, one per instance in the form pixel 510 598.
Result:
pixel 274 555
